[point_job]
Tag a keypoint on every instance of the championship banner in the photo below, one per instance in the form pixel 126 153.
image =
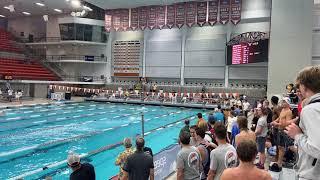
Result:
pixel 171 16
pixel 116 19
pixel 161 16
pixel 212 12
pixel 108 20
pixel 201 13
pixel 191 13
pixel 125 19
pixel 152 20
pixel 134 19
pixel 235 11
pixel 180 14
pixel 224 11
pixel 143 17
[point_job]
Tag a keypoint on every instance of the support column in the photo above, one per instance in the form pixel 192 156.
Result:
pixel 226 76
pixel 290 42
pixel 183 45
pixel 109 57
pixel 145 37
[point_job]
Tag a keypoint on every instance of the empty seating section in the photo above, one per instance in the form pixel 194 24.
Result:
pixel 6 43
pixel 25 70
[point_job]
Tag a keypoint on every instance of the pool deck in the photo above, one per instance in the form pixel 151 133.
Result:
pixel 154 103
pixel 35 101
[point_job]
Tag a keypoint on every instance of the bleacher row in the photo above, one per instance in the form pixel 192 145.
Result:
pixel 11 68
pixel 6 43
pixel 25 70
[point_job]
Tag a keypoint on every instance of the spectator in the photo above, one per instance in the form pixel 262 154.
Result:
pixel 186 127
pixel 218 115
pixel 224 156
pixel 231 120
pixel 122 157
pixel 188 159
pixel 276 109
pixel 204 152
pixel 80 171
pixel 269 111
pixel 148 150
pixel 306 135
pixel 234 131
pixel 246 106
pixel 201 123
pixel 211 121
pixel 246 151
pixel 245 133
pixel 193 140
pixel 261 133
pixel 237 110
pixel 283 141
pixel 139 165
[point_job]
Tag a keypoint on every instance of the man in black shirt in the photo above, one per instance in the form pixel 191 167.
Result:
pixel 80 171
pixel 139 165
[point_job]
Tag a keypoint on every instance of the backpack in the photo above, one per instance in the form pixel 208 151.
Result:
pixel 206 167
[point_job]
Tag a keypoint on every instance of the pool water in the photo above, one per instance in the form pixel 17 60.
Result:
pixel 33 138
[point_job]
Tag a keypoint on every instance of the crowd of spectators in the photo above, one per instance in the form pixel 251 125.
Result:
pixel 226 145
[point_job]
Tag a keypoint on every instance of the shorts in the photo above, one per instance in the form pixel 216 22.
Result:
pixel 261 144
pixel 283 140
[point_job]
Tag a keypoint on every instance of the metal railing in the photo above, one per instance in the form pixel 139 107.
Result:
pixel 55 39
pixel 75 57
pixel 83 78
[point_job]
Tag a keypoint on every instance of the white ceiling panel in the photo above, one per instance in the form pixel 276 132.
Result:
pixel 30 6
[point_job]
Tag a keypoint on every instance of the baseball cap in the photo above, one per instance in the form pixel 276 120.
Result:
pixel 73 160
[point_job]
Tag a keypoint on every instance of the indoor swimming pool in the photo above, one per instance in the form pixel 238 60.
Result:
pixel 35 140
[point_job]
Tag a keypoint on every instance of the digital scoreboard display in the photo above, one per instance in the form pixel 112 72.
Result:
pixel 245 53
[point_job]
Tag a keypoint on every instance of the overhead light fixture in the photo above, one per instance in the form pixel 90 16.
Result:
pixel 10 8
pixel 87 8
pixel 2 15
pixel 58 10
pixel 26 13
pixel 45 18
pixel 67 0
pixel 40 4
pixel 76 3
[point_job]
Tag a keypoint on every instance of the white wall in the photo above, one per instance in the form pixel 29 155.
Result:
pixel 76 50
pixel 29 25
pixel 84 69
pixel 290 42
pixel 316 36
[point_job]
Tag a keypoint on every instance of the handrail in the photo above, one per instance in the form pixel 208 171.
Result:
pixel 75 57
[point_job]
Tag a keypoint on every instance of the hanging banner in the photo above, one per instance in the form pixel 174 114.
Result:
pixel 180 14
pixel 236 11
pixel 108 20
pixel 201 13
pixel 125 19
pixel 152 20
pixel 143 17
pixel 191 13
pixel 212 12
pixel 161 16
pixel 116 20
pixel 224 11
pixel 171 16
pixel 134 19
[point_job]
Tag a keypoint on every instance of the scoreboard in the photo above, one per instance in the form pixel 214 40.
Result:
pixel 245 53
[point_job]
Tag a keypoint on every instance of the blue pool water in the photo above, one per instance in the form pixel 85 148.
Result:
pixel 34 137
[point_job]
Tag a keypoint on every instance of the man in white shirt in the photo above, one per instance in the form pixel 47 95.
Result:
pixel 246 106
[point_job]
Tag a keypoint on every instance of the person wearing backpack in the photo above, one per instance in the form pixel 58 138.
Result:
pixel 306 133
pixel 204 151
